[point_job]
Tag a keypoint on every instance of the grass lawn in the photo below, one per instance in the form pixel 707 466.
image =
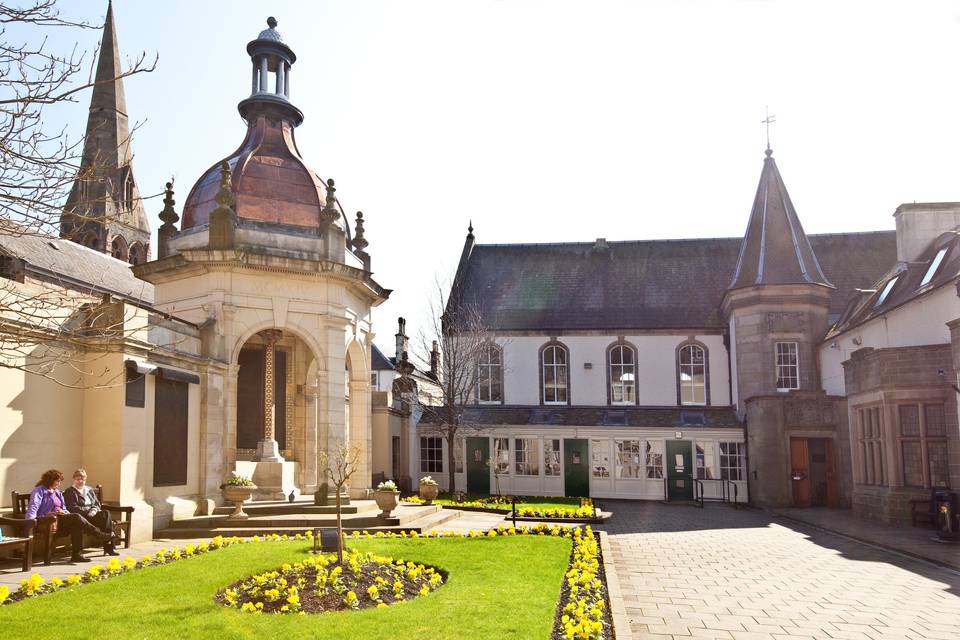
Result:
pixel 503 587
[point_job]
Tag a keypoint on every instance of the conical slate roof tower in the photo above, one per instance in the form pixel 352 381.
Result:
pixel 104 210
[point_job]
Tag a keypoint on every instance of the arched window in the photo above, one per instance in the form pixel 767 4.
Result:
pixel 118 248
pixel 554 374
pixel 490 374
pixel 622 369
pixel 90 240
pixel 692 374
pixel 137 254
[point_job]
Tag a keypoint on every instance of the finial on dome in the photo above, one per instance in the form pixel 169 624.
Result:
pixel 470 228
pixel 225 197
pixel 329 214
pixel 168 215
pixel 768 152
pixel 272 22
pixel 359 242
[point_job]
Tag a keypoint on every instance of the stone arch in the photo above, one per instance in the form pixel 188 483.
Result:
pixel 357 414
pixel 299 332
pixel 118 248
pixel 137 254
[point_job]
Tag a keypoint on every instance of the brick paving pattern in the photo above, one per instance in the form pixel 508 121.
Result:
pixel 744 575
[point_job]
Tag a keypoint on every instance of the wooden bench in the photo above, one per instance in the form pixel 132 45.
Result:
pixel 44 535
pixel 24 528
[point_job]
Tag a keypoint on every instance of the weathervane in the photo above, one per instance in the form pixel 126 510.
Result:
pixel 768 121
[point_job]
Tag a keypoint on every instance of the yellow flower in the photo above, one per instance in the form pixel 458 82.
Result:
pixel 373 592
pixel 4 592
pixel 94 571
pixel 72 580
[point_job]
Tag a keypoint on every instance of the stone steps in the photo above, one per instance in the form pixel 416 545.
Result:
pixel 267 518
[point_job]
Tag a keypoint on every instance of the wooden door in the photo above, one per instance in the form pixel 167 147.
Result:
pixel 831 476
pixel 170 431
pixel 250 386
pixel 576 474
pixel 800 471
pixel 678 463
pixel 478 465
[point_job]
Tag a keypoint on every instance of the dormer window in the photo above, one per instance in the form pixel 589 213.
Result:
pixel 934 266
pixel 886 291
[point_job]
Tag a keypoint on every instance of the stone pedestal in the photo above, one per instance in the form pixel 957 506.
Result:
pixel 268 451
pixel 274 480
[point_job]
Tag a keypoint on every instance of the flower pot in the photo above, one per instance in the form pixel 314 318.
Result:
pixel 429 492
pixel 387 501
pixel 238 495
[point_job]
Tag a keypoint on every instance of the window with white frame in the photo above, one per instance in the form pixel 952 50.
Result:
pixel 654 459
pixel 600 455
pixel 551 457
pixel 431 455
pixel 622 375
pixel 887 288
pixel 706 464
pixel 501 455
pixel 526 454
pixel 555 379
pixel 788 366
pixel 490 375
pixel 458 446
pixel 629 463
pixel 731 460
pixel 374 379
pixel 692 367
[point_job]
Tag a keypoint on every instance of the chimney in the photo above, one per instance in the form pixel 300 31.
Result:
pixel 401 337
pixel 435 361
pixel 919 224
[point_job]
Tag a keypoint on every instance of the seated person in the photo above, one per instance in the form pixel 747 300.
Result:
pixel 46 500
pixel 83 500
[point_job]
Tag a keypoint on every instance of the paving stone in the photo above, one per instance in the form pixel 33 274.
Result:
pixel 744 574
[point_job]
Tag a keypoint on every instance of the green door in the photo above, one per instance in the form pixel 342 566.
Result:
pixel 576 476
pixel 679 464
pixel 478 469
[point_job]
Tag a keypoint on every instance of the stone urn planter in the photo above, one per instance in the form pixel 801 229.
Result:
pixel 238 494
pixel 429 491
pixel 387 500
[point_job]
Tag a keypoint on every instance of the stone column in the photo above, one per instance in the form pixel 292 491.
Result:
pixel 267 449
pixel 286 80
pixel 264 73
pixel 255 83
pixel 281 66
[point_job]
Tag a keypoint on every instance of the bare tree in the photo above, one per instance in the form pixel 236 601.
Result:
pixel 53 322
pixel 455 338
pixel 340 467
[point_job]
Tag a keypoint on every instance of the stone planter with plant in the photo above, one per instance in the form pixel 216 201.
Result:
pixel 428 489
pixel 387 497
pixel 238 489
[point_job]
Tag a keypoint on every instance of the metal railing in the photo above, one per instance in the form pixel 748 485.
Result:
pixel 729 491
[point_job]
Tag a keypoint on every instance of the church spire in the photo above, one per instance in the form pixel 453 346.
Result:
pixel 775 250
pixel 104 210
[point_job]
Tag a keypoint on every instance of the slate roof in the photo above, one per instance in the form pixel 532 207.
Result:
pixel 379 362
pixel 775 249
pixel 76 267
pixel 699 417
pixel 647 284
pixel 866 305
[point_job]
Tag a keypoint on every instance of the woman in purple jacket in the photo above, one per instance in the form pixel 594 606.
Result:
pixel 46 500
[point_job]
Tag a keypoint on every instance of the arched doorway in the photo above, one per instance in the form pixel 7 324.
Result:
pixel 273 403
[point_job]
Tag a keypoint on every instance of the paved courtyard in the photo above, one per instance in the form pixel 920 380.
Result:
pixel 745 575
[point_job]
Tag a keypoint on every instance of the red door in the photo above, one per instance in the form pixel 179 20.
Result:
pixel 800 471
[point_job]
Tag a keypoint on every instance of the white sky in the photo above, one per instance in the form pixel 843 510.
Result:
pixel 559 121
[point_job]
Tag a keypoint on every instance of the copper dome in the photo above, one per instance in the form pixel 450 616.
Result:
pixel 270 179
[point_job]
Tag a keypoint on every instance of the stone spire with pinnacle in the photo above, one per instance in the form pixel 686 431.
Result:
pixel 775 249
pixel 104 210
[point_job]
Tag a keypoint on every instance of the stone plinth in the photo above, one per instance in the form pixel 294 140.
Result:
pixel 274 480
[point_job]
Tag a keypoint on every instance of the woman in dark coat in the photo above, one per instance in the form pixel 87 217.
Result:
pixel 82 500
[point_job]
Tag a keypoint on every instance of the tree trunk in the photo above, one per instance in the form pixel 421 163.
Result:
pixel 339 528
pixel 451 464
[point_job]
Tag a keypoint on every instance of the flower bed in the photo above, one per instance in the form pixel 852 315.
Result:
pixel 319 584
pixel 585 512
